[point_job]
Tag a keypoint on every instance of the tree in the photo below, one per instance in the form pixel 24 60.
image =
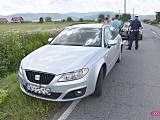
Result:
pixel 48 19
pixel 63 20
pixel 101 17
pixel 69 19
pixel 125 17
pixel 157 16
pixel 81 20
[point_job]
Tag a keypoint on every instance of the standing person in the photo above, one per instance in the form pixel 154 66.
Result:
pixel 128 33
pixel 121 26
pixel 107 20
pixel 116 23
pixel 135 25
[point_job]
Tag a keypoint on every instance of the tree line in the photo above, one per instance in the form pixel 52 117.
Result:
pixel 123 17
pixel 69 19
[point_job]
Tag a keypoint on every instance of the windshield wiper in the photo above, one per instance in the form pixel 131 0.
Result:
pixel 73 44
pixel 56 44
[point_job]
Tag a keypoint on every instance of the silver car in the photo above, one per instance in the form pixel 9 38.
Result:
pixel 124 32
pixel 73 64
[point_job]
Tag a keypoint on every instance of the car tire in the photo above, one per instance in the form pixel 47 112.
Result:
pixel 98 88
pixel 120 56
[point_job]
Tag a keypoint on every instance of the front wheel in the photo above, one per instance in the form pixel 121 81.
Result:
pixel 98 89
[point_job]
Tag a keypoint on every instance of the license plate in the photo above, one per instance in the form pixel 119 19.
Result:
pixel 38 89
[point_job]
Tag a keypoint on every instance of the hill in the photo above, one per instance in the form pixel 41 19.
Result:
pixel 74 15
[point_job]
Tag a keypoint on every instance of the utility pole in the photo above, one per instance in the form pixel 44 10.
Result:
pixel 124 6
pixel 133 13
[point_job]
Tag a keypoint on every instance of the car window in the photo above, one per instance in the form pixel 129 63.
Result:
pixel 79 37
pixel 113 32
pixel 107 35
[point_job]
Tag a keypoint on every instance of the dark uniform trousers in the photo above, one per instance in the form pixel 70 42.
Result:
pixel 134 35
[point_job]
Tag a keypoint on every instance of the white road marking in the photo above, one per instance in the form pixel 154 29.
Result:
pixel 69 110
pixel 153 32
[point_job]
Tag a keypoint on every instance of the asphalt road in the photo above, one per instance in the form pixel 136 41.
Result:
pixel 131 91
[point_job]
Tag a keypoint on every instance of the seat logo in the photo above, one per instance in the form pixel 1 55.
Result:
pixel 37 77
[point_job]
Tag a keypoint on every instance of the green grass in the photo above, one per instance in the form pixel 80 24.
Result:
pixel 32 27
pixel 14 47
pixel 16 105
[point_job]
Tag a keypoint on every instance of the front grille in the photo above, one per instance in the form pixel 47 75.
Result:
pixel 43 78
pixel 52 96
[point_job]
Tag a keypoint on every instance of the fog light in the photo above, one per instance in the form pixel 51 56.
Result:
pixel 75 93
pixel 78 93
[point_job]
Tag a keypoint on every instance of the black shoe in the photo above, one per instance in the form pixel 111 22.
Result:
pixel 136 48
pixel 128 49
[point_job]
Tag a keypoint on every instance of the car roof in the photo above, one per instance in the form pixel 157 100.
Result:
pixel 96 25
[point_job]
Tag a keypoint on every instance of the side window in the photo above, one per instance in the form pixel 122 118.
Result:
pixel 113 32
pixel 107 35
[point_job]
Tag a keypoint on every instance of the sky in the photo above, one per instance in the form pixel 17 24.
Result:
pixel 140 7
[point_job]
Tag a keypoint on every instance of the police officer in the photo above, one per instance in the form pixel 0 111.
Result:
pixel 128 33
pixel 135 25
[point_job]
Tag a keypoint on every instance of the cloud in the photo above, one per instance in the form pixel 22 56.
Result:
pixel 65 6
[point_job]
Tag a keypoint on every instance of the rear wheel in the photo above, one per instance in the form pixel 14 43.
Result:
pixel 98 89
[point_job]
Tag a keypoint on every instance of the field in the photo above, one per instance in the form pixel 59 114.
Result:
pixel 32 27
pixel 16 41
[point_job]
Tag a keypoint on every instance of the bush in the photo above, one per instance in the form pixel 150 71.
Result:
pixel 81 20
pixel 48 19
pixel 14 47
pixel 146 20
pixel 69 19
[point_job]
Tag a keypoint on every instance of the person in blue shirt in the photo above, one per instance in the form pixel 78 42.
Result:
pixel 116 23
pixel 135 25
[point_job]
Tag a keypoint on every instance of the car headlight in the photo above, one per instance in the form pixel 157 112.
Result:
pixel 20 70
pixel 75 75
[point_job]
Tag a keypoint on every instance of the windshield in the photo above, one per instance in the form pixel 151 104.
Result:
pixel 79 37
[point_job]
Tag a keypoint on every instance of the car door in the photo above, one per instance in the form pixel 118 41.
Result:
pixel 117 38
pixel 110 50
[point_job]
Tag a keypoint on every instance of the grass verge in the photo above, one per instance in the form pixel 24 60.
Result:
pixel 15 105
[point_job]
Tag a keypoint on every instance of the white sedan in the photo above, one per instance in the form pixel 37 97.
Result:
pixel 73 64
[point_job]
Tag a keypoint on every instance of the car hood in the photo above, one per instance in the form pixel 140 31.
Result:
pixel 59 59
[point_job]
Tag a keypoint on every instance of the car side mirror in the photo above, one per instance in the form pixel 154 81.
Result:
pixel 111 43
pixel 49 40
